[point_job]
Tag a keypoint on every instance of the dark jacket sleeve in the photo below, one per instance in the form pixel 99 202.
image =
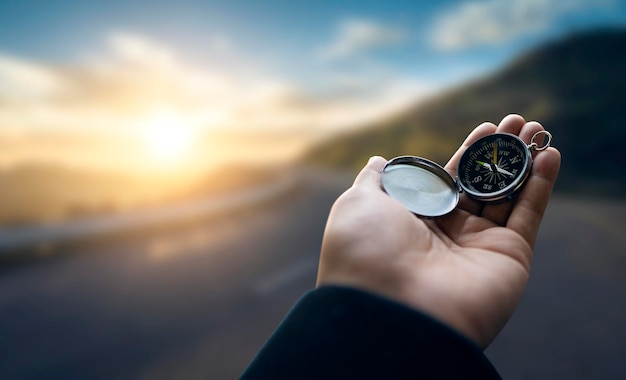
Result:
pixel 344 333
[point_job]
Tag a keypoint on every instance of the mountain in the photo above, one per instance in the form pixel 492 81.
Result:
pixel 574 86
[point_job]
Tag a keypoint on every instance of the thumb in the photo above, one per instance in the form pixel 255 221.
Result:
pixel 370 174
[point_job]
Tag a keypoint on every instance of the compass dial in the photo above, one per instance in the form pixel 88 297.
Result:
pixel 495 167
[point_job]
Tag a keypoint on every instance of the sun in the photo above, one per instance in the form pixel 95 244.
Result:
pixel 168 136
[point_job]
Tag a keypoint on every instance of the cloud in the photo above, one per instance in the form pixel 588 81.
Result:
pixel 136 76
pixel 22 80
pixel 356 37
pixel 493 22
pixel 113 95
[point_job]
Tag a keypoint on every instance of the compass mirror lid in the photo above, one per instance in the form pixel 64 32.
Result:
pixel 422 186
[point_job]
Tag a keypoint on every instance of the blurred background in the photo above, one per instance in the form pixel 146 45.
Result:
pixel 166 168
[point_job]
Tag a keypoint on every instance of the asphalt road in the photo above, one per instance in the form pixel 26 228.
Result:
pixel 197 300
pixel 571 323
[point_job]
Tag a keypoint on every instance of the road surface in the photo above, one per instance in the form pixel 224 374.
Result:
pixel 197 300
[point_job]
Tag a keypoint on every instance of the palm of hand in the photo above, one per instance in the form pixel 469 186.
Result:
pixel 458 268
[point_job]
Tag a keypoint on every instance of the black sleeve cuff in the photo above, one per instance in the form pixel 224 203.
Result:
pixel 344 333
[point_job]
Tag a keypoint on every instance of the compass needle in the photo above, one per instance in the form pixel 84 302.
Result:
pixel 503 171
pixel 495 153
pixel 484 164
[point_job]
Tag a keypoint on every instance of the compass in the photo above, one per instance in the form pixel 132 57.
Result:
pixel 494 168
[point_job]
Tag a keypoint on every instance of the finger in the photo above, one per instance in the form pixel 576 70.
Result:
pixel 370 174
pixel 511 124
pixel 529 130
pixel 514 124
pixel 533 200
pixel 451 167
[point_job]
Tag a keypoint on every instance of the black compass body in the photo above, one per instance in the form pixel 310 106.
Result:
pixel 495 167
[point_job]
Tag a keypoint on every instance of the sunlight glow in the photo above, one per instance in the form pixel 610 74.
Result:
pixel 168 136
pixel 139 91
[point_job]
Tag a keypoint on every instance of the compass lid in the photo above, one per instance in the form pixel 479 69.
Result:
pixel 422 186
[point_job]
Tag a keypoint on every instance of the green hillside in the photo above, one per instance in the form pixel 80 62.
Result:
pixel 574 86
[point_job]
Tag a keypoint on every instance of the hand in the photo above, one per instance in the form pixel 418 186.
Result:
pixel 468 269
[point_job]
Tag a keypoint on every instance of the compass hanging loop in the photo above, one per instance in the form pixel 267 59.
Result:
pixel 534 146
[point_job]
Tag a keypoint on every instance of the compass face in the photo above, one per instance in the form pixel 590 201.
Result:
pixel 495 167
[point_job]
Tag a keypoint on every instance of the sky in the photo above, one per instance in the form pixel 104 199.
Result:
pixel 172 84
